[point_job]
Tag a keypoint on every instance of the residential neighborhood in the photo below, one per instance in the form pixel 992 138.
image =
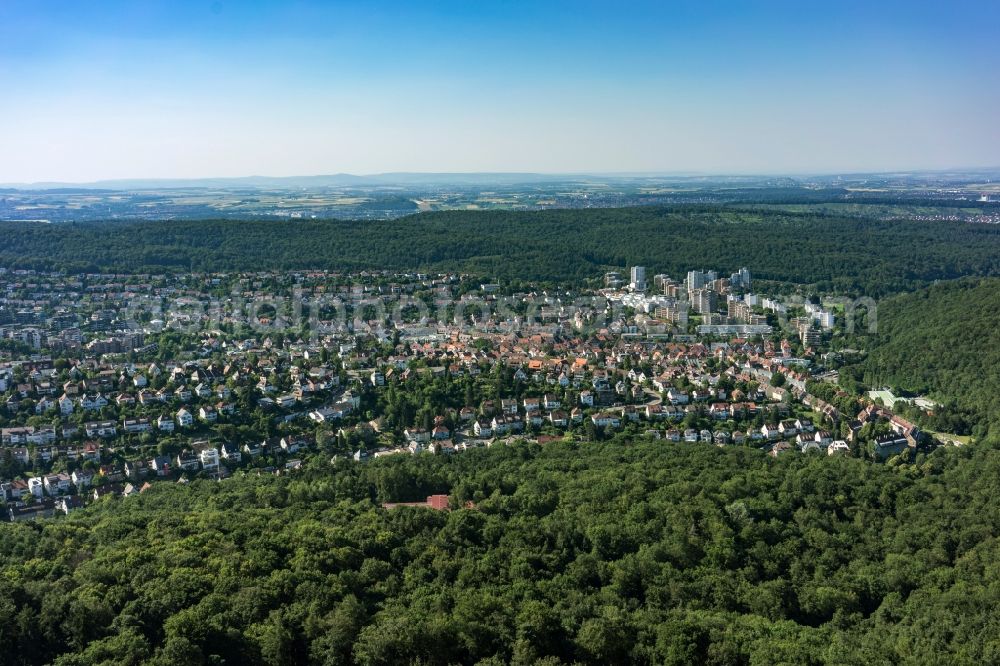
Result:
pixel 103 396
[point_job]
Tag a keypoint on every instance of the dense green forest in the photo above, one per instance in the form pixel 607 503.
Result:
pixel 600 553
pixel 835 253
pixel 943 341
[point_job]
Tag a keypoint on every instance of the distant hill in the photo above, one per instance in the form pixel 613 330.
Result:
pixel 848 254
pixel 875 181
pixel 328 180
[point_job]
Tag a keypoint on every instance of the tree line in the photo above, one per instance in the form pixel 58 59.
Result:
pixel 834 253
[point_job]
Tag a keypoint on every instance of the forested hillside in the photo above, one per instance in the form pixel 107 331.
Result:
pixel 599 553
pixel 943 341
pixel 848 254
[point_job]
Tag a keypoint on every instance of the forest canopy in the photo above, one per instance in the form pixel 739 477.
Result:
pixel 941 341
pixel 611 552
pixel 848 254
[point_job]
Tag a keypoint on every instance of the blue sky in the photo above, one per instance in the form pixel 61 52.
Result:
pixel 185 89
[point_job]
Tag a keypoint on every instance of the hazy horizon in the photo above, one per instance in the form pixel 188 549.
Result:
pixel 212 90
pixel 484 176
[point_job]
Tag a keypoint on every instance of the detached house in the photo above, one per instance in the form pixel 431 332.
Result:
pixel 559 418
pixel 788 428
pixel 719 410
pixel 770 431
pixel 36 486
pixel 838 446
pixel 209 459
pixel 91 451
pixel 100 429
pixel 66 405
pixel 57 484
pixel 294 444
pixel 93 402
pixel 606 420
pixel 184 418
pixel 231 452
pixel 253 450
pixel 136 469
pixel 188 461
pixel 483 428
pixel 161 465
pixel 675 397
pixel 81 479
pixel 136 425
